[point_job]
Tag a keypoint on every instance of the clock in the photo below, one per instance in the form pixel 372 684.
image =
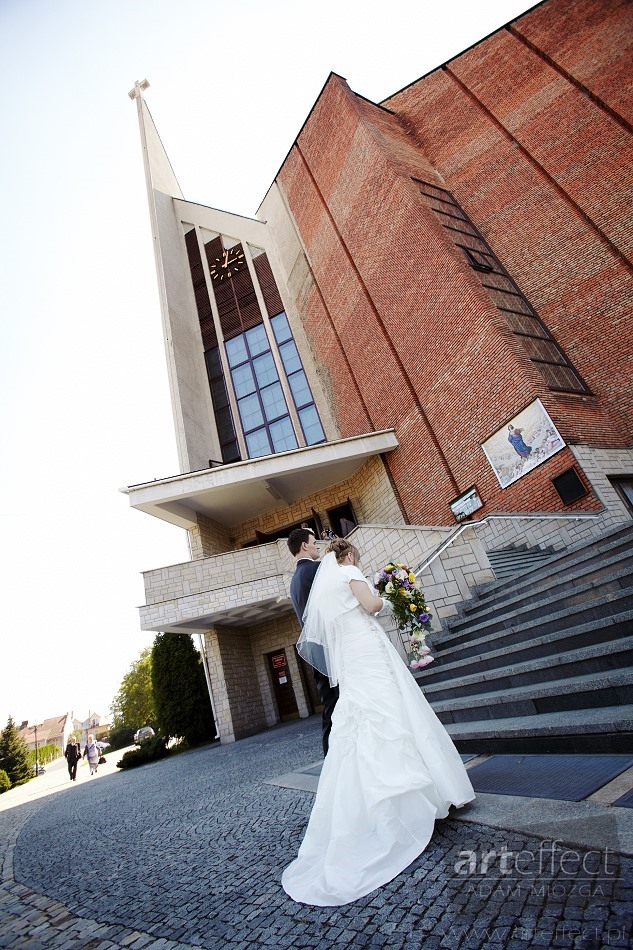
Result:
pixel 228 264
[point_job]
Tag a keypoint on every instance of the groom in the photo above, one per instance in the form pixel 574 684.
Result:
pixel 303 547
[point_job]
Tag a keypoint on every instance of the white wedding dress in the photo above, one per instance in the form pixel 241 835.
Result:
pixel 390 772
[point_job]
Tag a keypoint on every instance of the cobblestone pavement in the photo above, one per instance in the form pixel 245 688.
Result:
pixel 188 852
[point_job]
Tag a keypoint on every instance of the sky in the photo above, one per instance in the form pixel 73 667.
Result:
pixel 84 400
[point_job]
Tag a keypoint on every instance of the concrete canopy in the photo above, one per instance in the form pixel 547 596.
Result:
pixel 230 494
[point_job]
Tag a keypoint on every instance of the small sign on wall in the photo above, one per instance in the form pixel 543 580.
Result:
pixel 466 504
pixel 528 440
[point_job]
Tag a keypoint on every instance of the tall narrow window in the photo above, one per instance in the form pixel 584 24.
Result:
pixel 299 386
pixel 261 404
pixel 541 347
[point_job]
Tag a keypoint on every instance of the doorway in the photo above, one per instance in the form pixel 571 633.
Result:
pixel 282 686
pixel 342 519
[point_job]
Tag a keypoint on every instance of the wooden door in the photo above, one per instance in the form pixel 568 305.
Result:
pixel 282 685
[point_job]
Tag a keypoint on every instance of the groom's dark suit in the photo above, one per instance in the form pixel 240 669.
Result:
pixel 300 586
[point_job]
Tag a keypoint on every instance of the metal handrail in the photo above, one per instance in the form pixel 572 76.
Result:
pixel 474 524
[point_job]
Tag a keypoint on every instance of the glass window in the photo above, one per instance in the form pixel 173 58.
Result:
pixel 290 357
pixel 218 393
pixel 258 444
pixel 274 402
pixel 214 366
pixel 236 350
pixel 262 406
pixel 311 425
pixel 283 435
pixel 300 389
pixel 243 380
pixel 265 371
pixel 224 422
pixel 250 412
pixel 231 453
pixel 257 340
pixel 281 328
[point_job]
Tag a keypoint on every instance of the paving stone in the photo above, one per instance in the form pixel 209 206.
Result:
pixel 192 851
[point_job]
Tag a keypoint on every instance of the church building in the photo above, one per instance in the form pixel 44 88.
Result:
pixel 422 340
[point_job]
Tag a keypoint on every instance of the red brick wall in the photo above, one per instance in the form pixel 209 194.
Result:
pixel 400 322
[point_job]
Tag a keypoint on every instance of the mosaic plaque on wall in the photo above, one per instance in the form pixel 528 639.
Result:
pixel 528 440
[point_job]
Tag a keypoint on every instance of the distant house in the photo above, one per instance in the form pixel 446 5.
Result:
pixel 96 725
pixel 54 731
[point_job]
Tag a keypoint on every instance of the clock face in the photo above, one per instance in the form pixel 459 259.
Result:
pixel 227 264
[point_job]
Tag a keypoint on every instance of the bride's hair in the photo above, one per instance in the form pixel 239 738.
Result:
pixel 341 548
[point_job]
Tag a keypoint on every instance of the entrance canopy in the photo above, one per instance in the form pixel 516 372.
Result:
pixel 233 493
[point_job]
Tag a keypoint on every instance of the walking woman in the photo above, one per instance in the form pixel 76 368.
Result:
pixel 91 752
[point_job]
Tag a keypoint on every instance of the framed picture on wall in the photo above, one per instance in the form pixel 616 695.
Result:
pixel 523 443
pixel 468 502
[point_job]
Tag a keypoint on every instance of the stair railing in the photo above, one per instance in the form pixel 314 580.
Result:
pixel 475 524
pixel 439 550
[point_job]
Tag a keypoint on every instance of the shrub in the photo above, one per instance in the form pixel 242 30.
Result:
pixel 5 782
pixel 45 754
pixel 149 751
pixel 120 737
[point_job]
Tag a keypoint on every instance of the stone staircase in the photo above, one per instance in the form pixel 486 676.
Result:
pixel 542 661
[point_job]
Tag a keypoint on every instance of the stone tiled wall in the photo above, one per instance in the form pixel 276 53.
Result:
pixel 195 607
pixel 219 688
pixel 208 538
pixel 369 491
pixel 220 573
pixel 240 679
pixel 598 464
pixel 242 686
pixel 449 579
pixel 275 635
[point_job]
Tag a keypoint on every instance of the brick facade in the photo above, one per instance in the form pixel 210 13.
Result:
pixel 536 152
pixel 529 133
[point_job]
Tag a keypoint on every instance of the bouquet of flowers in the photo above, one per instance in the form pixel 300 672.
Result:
pixel 398 584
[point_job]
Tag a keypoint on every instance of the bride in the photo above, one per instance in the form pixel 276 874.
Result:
pixel 391 769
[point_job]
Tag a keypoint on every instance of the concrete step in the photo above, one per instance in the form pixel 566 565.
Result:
pixel 528 641
pixel 579 730
pixel 507 562
pixel 497 671
pixel 595 605
pixel 610 544
pixel 616 567
pixel 581 692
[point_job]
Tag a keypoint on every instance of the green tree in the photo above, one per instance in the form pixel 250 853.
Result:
pixel 181 697
pixel 14 754
pixel 133 705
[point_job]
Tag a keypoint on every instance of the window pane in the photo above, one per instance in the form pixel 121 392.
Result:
pixel 257 340
pixel 300 389
pixel 218 393
pixel 236 350
pixel 311 425
pixel 290 357
pixel 250 412
pixel 243 380
pixel 230 452
pixel 265 370
pixel 274 402
pixel 281 328
pixel 214 366
pixel 224 422
pixel 283 435
pixel 257 444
